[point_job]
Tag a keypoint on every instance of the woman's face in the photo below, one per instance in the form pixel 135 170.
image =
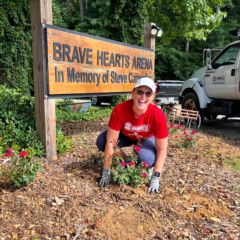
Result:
pixel 142 97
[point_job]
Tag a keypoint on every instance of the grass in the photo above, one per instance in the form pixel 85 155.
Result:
pixel 233 162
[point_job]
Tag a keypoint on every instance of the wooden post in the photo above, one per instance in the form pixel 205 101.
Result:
pixel 41 12
pixel 149 39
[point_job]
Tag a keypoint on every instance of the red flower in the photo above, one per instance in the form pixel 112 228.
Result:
pixel 23 154
pixel 145 165
pixel 8 154
pixel 189 139
pixel 131 164
pixel 176 136
pixel 179 126
pixel 171 125
pixel 194 132
pixel 144 175
pixel 185 132
pixel 137 148
pixel 123 164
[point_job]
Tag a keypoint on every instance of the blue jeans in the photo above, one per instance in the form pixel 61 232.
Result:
pixel 147 151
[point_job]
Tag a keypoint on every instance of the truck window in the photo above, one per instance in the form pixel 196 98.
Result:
pixel 227 57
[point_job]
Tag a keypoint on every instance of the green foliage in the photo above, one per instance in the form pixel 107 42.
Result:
pixel 129 172
pixel 63 143
pixel 17 124
pixel 175 64
pixel 221 35
pixel 15 45
pixel 60 13
pixel 119 99
pixel 94 113
pixel 186 139
pixel 97 19
pixel 186 19
pixel 128 19
pixel 22 168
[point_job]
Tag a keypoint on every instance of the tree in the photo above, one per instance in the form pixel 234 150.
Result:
pixel 185 19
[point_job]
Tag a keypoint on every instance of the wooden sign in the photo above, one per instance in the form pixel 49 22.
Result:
pixel 78 63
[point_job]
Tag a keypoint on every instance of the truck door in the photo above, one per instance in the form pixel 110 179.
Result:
pixel 221 80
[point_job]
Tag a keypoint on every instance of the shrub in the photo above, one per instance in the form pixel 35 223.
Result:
pixel 17 123
pixel 130 171
pixel 21 168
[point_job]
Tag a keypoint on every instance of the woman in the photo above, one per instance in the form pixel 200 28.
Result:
pixel 137 121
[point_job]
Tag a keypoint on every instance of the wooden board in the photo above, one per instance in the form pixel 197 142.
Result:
pixel 83 64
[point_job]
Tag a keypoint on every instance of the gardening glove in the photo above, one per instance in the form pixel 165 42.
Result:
pixel 105 179
pixel 154 184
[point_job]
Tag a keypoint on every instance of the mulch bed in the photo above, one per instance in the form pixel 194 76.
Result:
pixel 199 198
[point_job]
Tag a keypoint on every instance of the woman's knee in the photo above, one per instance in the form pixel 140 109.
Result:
pixel 147 156
pixel 148 152
pixel 101 141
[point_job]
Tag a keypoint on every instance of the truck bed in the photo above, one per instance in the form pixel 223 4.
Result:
pixel 168 91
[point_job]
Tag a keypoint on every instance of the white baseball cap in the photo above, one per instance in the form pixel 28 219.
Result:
pixel 146 81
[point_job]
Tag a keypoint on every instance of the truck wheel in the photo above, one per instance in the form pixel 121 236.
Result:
pixel 190 102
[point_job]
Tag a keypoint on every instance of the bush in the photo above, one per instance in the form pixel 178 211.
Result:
pixel 131 171
pixel 21 168
pixel 17 123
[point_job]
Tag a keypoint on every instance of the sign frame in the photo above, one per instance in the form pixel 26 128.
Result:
pixel 138 51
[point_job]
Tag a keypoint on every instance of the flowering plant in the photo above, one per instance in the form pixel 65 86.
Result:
pixel 129 171
pixel 21 168
pixel 187 139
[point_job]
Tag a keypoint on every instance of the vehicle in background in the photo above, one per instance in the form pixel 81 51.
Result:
pixel 168 91
pixel 215 88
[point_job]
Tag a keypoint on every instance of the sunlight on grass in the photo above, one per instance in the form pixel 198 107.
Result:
pixel 233 162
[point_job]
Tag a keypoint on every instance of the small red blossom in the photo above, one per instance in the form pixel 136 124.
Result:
pixel 137 148
pixel 145 165
pixel 10 150
pixel 179 126
pixel 23 154
pixel 144 175
pixel 194 132
pixel 189 139
pixel 123 164
pixel 176 136
pixel 185 132
pixel 8 154
pixel 131 164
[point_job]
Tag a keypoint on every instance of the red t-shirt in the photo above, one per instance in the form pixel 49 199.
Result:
pixel 151 123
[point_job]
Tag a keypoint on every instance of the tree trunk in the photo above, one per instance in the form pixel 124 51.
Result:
pixel 187 46
pixel 69 7
pixel 81 7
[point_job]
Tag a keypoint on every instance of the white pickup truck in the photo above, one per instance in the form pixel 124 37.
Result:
pixel 215 89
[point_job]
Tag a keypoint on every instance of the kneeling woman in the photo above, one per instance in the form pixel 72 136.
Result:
pixel 137 121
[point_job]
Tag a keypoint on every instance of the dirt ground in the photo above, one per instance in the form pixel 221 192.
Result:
pixel 199 198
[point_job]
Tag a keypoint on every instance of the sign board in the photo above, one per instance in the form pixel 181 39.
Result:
pixel 79 63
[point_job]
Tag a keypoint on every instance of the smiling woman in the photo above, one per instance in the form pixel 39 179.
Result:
pixel 137 122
